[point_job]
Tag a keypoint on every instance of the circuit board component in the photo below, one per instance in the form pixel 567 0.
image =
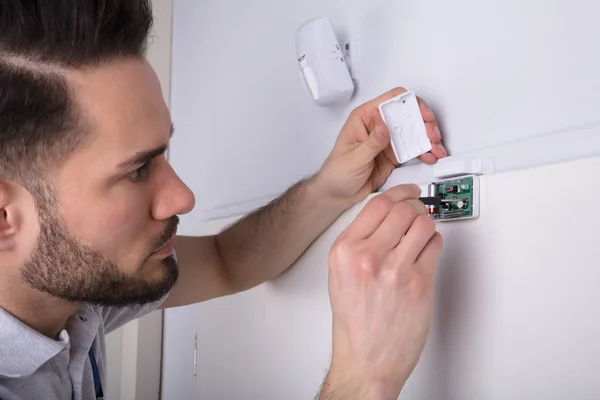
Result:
pixel 457 199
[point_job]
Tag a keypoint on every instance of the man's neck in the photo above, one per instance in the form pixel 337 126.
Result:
pixel 46 314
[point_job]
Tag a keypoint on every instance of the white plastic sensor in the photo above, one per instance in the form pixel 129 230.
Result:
pixel 404 121
pixel 321 59
pixel 454 166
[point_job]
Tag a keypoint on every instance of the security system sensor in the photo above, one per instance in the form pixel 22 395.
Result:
pixel 453 199
pixel 324 67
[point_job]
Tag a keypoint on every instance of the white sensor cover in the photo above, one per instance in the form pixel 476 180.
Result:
pixel 321 59
pixel 405 124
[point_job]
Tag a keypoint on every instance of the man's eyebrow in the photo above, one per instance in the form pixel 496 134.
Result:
pixel 146 156
pixel 143 157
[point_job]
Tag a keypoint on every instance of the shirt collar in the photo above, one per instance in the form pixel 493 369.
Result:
pixel 23 350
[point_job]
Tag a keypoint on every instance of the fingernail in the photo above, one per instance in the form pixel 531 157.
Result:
pixel 437 132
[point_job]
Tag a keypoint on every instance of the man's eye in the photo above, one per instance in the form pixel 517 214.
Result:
pixel 139 174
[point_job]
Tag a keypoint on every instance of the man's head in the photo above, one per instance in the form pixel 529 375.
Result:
pixel 86 193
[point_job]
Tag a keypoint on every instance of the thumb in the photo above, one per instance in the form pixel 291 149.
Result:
pixel 378 139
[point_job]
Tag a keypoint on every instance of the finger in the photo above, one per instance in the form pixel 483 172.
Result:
pixel 428 158
pixel 433 132
pixel 354 131
pixel 418 235
pixel 439 150
pixel 373 214
pixel 396 224
pixel 403 192
pixel 429 257
pixel 377 140
pixel 388 153
pixel 426 111
pixel 381 172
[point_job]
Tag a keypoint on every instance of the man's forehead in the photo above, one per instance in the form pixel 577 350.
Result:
pixel 123 103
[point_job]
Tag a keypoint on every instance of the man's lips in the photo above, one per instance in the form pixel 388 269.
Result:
pixel 163 246
pixel 166 243
pixel 165 251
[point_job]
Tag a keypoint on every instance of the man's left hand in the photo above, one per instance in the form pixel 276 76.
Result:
pixel 362 158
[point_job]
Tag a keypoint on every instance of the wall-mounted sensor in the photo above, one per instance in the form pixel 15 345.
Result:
pixel 322 62
pixel 457 198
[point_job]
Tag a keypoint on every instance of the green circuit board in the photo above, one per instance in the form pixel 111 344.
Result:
pixel 457 198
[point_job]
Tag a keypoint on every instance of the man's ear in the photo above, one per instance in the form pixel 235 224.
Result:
pixel 10 219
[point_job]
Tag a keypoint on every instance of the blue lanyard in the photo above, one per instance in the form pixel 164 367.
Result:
pixel 96 372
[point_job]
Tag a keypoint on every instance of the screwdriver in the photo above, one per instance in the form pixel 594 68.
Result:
pixel 431 201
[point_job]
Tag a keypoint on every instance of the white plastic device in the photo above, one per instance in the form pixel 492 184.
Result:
pixel 474 204
pixel 452 166
pixel 404 121
pixel 324 68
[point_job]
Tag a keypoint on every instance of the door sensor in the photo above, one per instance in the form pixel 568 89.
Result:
pixel 453 199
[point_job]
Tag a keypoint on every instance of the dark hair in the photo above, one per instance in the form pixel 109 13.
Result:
pixel 40 42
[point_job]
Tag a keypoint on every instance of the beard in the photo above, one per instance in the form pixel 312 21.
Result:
pixel 63 267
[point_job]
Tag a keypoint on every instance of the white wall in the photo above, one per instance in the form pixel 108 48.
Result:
pixel 516 291
pixel 134 352
pixel 494 75
pixel 516 298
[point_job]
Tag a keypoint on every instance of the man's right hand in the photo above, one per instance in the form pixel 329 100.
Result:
pixel 381 275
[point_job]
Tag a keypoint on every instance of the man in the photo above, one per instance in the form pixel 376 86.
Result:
pixel 89 208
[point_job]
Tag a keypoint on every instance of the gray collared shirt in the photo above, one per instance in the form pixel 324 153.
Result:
pixel 33 366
